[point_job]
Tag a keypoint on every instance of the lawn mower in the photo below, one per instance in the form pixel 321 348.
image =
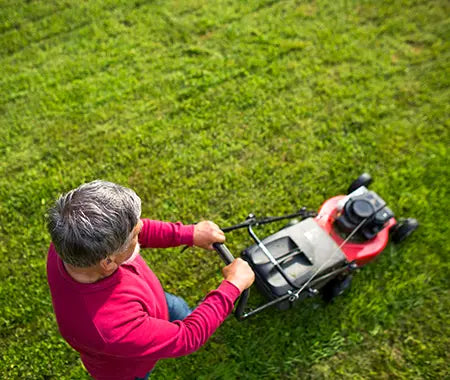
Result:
pixel 317 253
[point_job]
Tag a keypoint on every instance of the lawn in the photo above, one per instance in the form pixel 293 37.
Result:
pixel 212 110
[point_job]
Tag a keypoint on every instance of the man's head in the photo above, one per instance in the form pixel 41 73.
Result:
pixel 95 221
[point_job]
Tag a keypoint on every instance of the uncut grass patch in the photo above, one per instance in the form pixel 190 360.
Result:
pixel 214 110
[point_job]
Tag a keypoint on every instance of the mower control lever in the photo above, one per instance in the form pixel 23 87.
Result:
pixel 228 258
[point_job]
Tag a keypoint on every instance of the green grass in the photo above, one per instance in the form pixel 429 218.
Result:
pixel 212 110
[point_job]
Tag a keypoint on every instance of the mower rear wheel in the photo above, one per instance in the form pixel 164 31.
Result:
pixel 336 287
pixel 403 229
pixel 363 180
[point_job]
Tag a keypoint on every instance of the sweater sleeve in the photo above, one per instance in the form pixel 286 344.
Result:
pixel 157 234
pixel 156 339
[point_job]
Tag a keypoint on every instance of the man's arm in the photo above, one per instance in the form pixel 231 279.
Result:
pixel 157 234
pixel 144 336
pixel 137 335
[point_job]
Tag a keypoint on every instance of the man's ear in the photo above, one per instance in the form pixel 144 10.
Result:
pixel 108 265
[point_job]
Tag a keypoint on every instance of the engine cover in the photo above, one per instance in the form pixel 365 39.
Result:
pixel 300 250
pixel 362 205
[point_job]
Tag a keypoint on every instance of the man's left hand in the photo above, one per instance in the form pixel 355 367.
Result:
pixel 206 233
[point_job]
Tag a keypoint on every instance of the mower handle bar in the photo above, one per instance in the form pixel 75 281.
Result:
pixel 253 221
pixel 228 258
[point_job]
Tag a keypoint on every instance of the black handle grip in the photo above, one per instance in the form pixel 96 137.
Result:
pixel 228 258
pixel 224 253
pixel 242 303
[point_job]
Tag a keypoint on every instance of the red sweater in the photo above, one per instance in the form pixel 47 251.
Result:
pixel 119 325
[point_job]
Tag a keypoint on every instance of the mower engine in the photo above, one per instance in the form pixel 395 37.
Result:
pixel 362 207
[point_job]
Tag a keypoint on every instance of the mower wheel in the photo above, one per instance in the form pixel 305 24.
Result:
pixel 336 287
pixel 363 180
pixel 403 229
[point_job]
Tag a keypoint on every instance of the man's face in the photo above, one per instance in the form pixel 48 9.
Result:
pixel 132 250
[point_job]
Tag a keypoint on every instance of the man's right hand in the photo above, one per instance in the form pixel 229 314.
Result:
pixel 239 274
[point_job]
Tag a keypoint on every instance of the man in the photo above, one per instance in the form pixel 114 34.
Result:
pixel 109 305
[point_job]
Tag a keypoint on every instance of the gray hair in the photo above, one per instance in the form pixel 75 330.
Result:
pixel 93 221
